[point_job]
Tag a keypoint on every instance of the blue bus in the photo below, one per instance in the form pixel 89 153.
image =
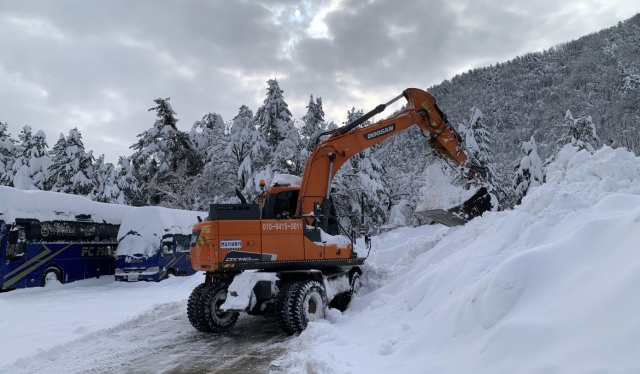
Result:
pixel 50 236
pixel 154 243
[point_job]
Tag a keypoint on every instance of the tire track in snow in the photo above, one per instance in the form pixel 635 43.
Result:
pixel 163 341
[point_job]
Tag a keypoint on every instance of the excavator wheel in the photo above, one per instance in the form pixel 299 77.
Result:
pixel 284 306
pixel 308 302
pixel 341 301
pixel 195 308
pixel 211 300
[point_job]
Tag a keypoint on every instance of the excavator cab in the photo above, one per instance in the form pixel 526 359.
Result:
pixel 280 204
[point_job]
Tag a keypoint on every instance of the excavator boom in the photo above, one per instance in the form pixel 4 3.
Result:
pixel 343 143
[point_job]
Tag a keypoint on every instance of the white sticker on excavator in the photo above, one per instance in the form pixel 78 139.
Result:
pixel 230 244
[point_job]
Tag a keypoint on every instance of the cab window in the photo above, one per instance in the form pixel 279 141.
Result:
pixel 281 205
pixel 183 243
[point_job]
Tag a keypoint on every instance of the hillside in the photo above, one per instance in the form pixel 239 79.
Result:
pixel 597 75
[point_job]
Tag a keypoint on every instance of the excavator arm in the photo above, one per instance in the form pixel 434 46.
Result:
pixel 345 142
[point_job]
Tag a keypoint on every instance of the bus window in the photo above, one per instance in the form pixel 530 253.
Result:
pixel 183 243
pixel 167 244
pixel 16 243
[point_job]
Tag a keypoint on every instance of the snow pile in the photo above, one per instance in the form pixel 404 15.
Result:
pixel 142 228
pixel 52 206
pixel 439 192
pixel 548 287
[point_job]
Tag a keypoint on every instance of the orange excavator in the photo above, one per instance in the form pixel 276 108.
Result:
pixel 288 254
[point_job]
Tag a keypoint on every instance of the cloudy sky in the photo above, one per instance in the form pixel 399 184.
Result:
pixel 98 65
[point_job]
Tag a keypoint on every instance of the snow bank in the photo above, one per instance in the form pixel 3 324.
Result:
pixel 548 287
pixel 149 224
pixel 50 206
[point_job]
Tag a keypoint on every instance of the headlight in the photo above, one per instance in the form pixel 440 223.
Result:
pixel 119 271
pixel 154 269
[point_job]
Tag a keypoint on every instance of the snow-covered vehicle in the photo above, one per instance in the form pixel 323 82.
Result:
pixel 153 243
pixel 49 236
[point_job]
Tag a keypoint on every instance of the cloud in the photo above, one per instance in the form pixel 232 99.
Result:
pixel 99 65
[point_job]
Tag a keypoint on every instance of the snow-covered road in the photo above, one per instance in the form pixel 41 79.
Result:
pixel 102 326
pixel 162 340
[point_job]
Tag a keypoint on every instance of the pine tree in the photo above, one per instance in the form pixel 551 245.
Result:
pixel 106 188
pixel 291 154
pixel 479 144
pixel 579 132
pixel 165 160
pixel 207 133
pixel 530 172
pixel 313 123
pixel 130 193
pixel 241 139
pixel 30 170
pixel 274 118
pixel 7 155
pixel 71 170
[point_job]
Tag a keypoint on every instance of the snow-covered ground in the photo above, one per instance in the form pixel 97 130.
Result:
pixel 550 287
pixel 36 319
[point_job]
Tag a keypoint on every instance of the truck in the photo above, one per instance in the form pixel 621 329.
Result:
pixel 287 254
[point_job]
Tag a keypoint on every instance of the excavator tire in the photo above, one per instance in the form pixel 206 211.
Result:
pixel 283 306
pixel 195 309
pixel 341 301
pixel 211 300
pixel 308 302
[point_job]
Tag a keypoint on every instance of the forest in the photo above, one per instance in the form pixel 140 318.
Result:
pixel 513 117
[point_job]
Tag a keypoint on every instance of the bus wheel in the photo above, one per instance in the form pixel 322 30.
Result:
pixel 51 274
pixel 171 272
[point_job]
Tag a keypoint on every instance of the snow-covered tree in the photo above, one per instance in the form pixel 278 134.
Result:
pixel 165 159
pixel 291 154
pixel 208 134
pixel 273 118
pixel 579 132
pixel 7 155
pixel 313 123
pixel 30 170
pixel 106 188
pixel 130 193
pixel 241 139
pixel 479 144
pixel 530 172
pixel 71 170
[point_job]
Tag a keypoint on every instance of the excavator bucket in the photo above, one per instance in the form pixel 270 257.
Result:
pixel 479 203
